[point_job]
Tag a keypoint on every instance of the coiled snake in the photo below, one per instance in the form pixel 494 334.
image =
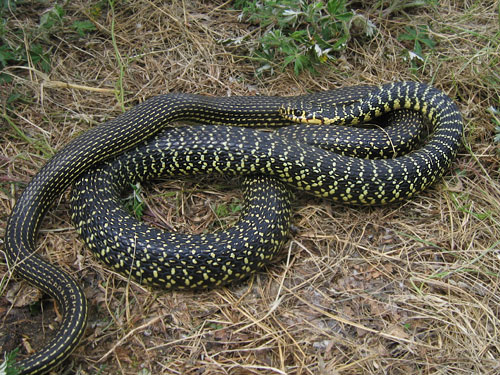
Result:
pixel 220 149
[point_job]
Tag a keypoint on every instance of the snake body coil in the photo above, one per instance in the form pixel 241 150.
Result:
pixel 173 260
pixel 337 177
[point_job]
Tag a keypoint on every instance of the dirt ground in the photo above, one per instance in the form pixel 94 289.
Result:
pixel 410 288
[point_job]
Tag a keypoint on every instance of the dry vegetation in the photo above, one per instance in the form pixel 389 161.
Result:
pixel 404 289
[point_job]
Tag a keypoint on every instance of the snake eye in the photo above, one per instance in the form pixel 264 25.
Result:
pixel 292 113
pixel 285 110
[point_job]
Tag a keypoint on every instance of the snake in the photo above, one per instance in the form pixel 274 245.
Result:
pixel 342 178
pixel 176 261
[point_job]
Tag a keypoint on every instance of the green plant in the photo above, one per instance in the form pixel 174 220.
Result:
pixel 12 46
pixel 224 210
pixel 83 27
pixel 8 366
pixel 298 32
pixel 52 18
pixel 134 203
pixel 420 38
pixel 12 54
pixel 26 46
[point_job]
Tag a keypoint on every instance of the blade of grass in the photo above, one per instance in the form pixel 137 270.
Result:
pixel 120 95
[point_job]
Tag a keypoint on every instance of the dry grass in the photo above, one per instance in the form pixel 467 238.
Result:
pixel 411 288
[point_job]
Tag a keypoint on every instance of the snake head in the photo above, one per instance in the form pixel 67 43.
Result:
pixel 303 116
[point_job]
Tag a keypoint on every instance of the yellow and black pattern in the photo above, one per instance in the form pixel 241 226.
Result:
pixel 340 178
pixel 173 260
pixel 389 136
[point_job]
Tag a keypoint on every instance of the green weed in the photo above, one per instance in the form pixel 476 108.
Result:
pixel 52 18
pixel 13 49
pixel 8 366
pixel 299 33
pixel 420 39
pixel 27 46
pixel 83 27
pixel 134 203
pixel 224 210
